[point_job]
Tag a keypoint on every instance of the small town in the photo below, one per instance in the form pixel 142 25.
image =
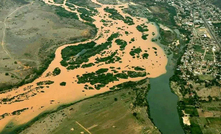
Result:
pixel 202 55
pixel 198 74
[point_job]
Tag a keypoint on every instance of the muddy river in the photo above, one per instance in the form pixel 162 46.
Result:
pixel 31 100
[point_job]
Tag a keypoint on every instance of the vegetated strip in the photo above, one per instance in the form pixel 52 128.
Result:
pixel 122 86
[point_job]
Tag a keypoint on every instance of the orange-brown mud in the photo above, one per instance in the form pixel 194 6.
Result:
pixel 37 99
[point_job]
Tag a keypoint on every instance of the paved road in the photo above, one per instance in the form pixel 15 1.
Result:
pixel 210 30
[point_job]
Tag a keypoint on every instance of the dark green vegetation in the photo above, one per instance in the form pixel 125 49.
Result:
pixel 83 57
pixel 135 51
pixel 114 14
pixel 85 14
pixel 139 68
pixel 18 112
pixel 121 43
pixel 87 65
pixel 72 51
pixel 74 56
pixel 217 26
pixel 134 74
pixel 113 36
pixel 128 20
pixel 198 48
pixel 125 111
pixel 144 36
pixel 45 83
pixel 142 28
pixel 102 77
pixel 56 71
pixel 109 59
pixel 61 12
pixel 117 16
pixel 145 55
pixel 162 12
pixel 216 3
pixel 63 84
pixel 59 1
pixel 132 40
pixel 167 37
pixel 169 40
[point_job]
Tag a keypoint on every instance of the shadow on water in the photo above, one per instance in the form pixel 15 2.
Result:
pixel 163 103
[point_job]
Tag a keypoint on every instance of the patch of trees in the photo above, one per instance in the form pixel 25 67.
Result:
pixel 109 59
pixel 63 13
pixel 117 16
pixel 56 71
pixel 45 83
pixel 113 36
pixel 135 51
pixel 134 74
pixel 137 68
pixel 121 43
pixel 18 112
pixel 86 14
pixel 101 77
pixel 63 84
pixel 144 36
pixel 142 28
pixel 145 55
pixel 87 65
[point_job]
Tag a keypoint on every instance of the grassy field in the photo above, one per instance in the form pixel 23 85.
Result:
pixel 209 117
pixel 58 1
pixel 121 111
pixel 216 3
pixel 33 31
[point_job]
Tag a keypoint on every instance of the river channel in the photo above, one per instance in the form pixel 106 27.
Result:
pixel 163 103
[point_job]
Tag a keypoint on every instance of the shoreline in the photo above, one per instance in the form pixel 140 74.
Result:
pixel 176 61
pixel 43 106
pixel 39 72
pixel 22 127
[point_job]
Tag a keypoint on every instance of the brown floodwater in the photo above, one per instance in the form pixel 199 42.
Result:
pixel 50 97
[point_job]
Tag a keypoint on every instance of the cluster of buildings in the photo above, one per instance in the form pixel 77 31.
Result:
pixel 202 56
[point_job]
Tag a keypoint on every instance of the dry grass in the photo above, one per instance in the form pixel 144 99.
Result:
pixel 30 29
pixel 108 113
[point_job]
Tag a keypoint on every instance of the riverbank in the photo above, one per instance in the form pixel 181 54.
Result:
pixel 171 116
pixel 126 52
pixel 134 100
pixel 163 110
